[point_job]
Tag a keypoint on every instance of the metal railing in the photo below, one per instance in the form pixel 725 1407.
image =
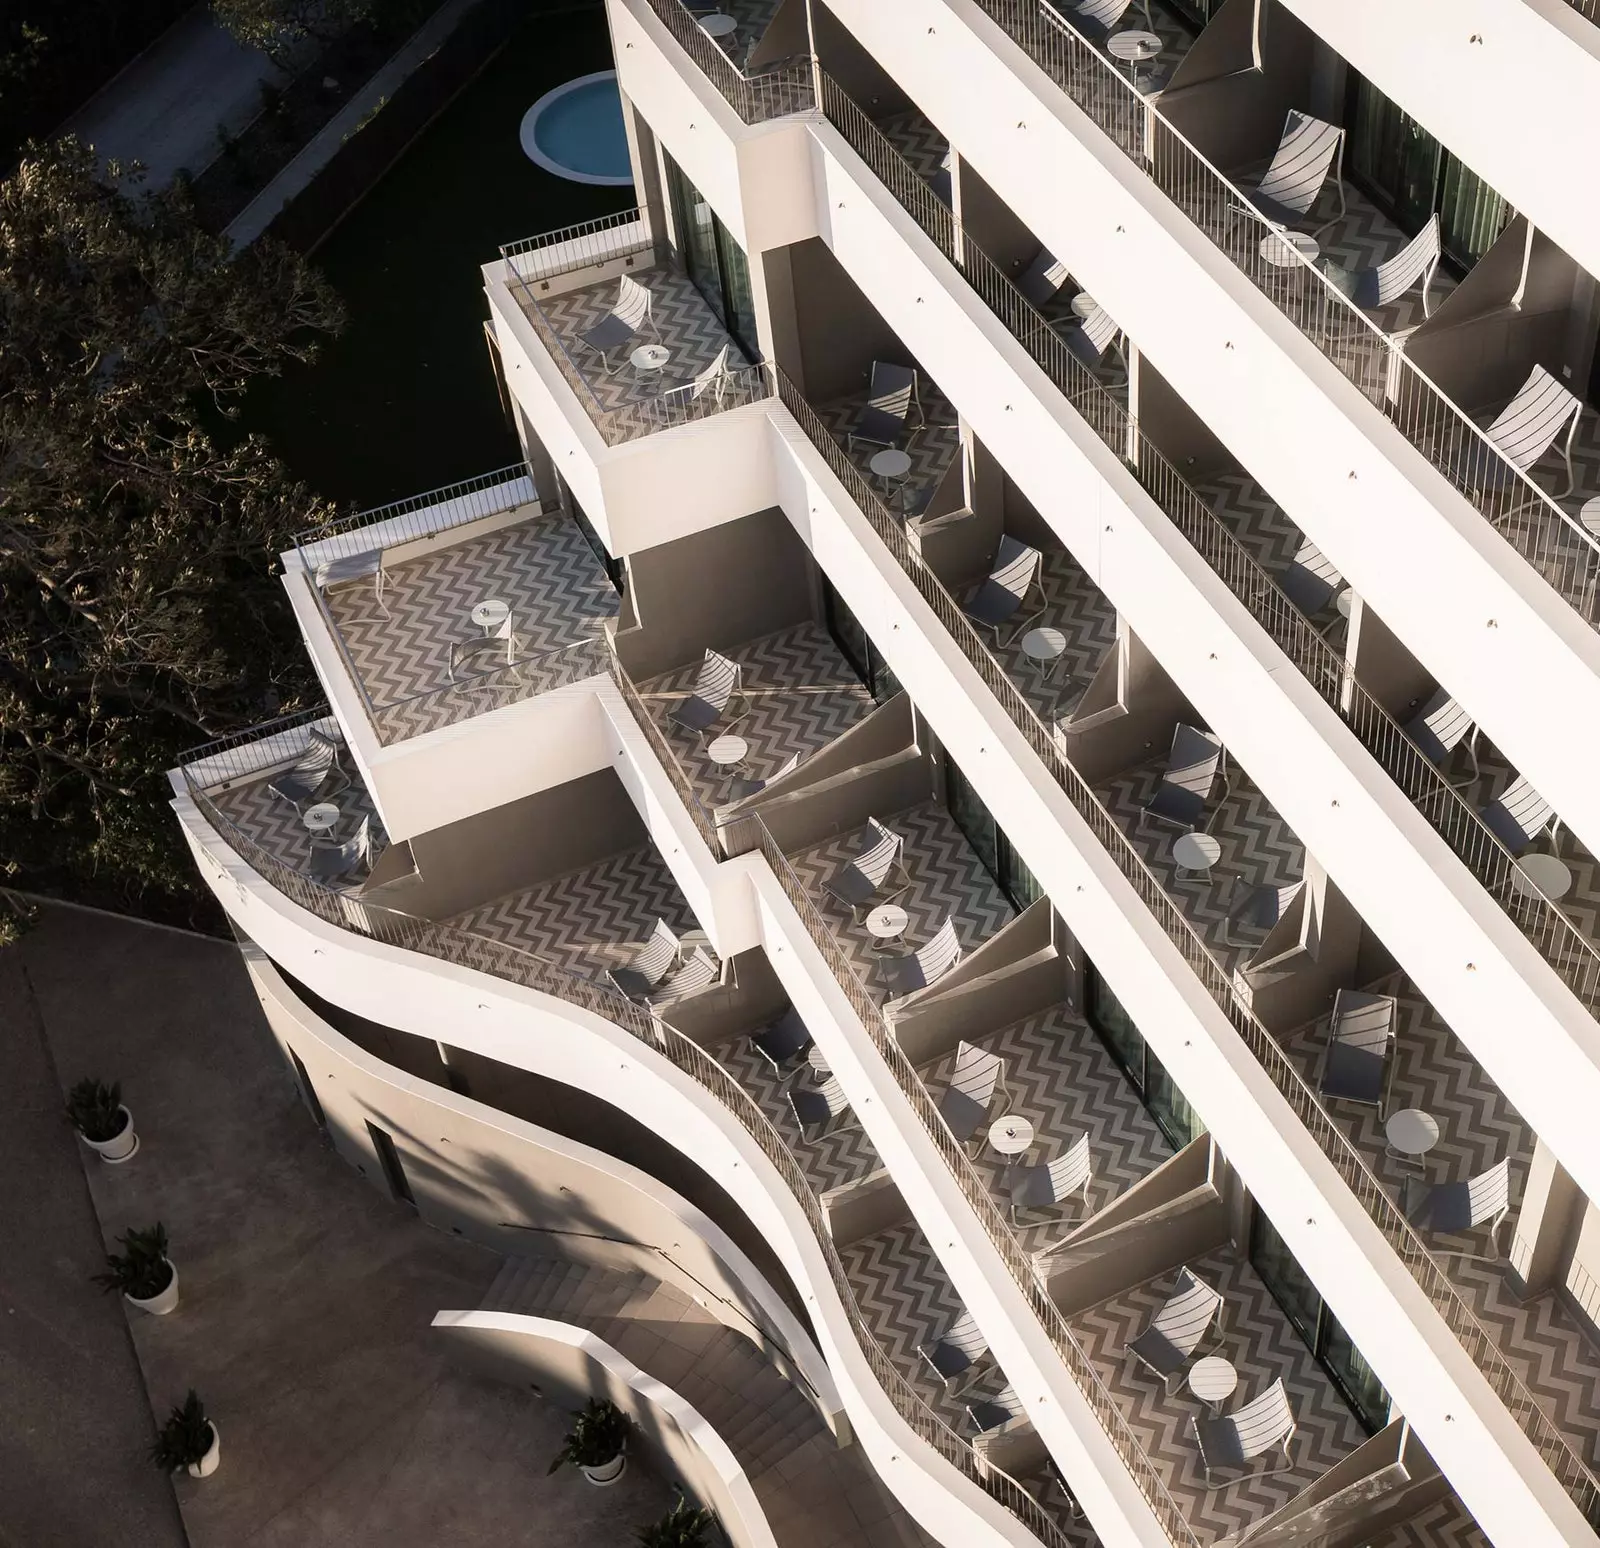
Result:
pixel 667 756
pixel 775 93
pixel 420 515
pixel 248 755
pixel 1563 1461
pixel 1553 934
pixel 585 245
pixel 1589 9
pixel 1552 540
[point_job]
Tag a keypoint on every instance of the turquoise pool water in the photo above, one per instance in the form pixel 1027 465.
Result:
pixel 576 131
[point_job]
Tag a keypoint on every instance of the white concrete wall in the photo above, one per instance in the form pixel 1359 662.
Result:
pixel 582 1365
pixel 532 1031
pixel 499 1179
pixel 1456 593
pixel 1512 87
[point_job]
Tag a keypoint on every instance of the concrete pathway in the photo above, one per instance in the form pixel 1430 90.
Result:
pixel 165 109
pixel 307 1296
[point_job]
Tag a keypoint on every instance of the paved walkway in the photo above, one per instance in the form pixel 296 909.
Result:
pixel 166 108
pixel 307 1297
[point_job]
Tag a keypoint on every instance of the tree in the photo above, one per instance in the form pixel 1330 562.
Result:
pixel 282 27
pixel 140 615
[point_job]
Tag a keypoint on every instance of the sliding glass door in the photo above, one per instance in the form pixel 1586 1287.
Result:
pixel 856 647
pixel 1157 1089
pixel 988 838
pixel 713 260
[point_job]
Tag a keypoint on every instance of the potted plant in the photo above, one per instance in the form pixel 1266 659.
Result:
pixel 188 1440
pixel 596 1443
pixel 143 1272
pixel 684 1526
pixel 102 1122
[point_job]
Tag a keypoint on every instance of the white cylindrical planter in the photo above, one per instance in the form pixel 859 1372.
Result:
pixel 207 1464
pixel 607 1473
pixel 163 1301
pixel 120 1147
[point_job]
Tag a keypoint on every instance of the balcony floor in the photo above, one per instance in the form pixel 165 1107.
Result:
pixel 1435 1071
pixel 931 448
pixel 947 878
pixel 1258 850
pixel 800 695
pixel 276 826
pixel 1444 1524
pixel 1079 609
pixel 543 569
pixel 684 323
pixel 1263 1345
pixel 590 920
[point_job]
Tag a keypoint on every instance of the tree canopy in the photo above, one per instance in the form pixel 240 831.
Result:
pixel 140 614
pixel 282 27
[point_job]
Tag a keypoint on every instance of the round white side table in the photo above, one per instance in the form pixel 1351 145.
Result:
pixel 1411 1134
pixel 1196 852
pixel 1044 648
pixel 728 752
pixel 1133 49
pixel 321 818
pixel 1542 873
pixel 1010 1135
pixel 886 924
pixel 489 615
pixel 1212 1380
pixel 718 25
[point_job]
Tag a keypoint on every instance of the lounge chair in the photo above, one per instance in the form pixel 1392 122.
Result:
pixel 783 1042
pixel 977 1078
pixel 348 862
pixel 316 775
pixel 1097 19
pixel 1361 1044
pixel 924 967
pixel 1041 282
pixel 1173 1337
pixel 1457 1207
pixel 891 396
pixel 1441 726
pixel 1007 590
pixel 714 379
pixel 985 1414
pixel 816 1108
pixel 660 955
pixel 719 683
pixel 1236 1438
pixel 1092 336
pixel 869 878
pixel 1260 909
pixel 497 648
pixel 1307 151
pixel 621 325
pixel 1311 582
pixel 747 785
pixel 1384 283
pixel 942 181
pixel 350 569
pixel 1519 816
pixel 1048 1185
pixel 1523 431
pixel 700 971
pixel 959 1355
pixel 1192 767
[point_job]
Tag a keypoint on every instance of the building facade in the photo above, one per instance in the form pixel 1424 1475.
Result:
pixel 988 800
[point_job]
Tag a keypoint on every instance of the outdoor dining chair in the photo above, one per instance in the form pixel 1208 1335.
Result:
pixel 1311 582
pixel 1518 816
pixel 817 1108
pixel 1359 1061
pixel 1001 599
pixel 1441 726
pixel 886 415
pixel 901 976
pixel 978 1077
pixel 1186 784
pixel 1097 19
pixel 629 314
pixel 869 879
pixel 1522 432
pixel 1236 1439
pixel 498 648
pixel 348 862
pixel 719 683
pixel 782 1044
pixel 1478 1203
pixel 1307 151
pixel 1050 1185
pixel 1384 283
pixel 351 569
pixel 1092 336
pixel 651 964
pixel 1041 282
pixel 747 785
pixel 959 1355
pixel 990 1413
pixel 316 776
pixel 699 972
pixel 714 379
pixel 1175 1334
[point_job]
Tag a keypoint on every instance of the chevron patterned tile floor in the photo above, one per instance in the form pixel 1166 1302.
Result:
pixel 1263 1345
pixel 276 826
pixel 682 321
pixel 1444 1524
pixel 1075 606
pixel 799 695
pixel 1258 850
pixel 589 920
pixel 542 569
pixel 932 446
pixel 753 17
pixel 947 879
pixel 1062 1079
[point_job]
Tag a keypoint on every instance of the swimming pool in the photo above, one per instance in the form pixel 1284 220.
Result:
pixel 576 131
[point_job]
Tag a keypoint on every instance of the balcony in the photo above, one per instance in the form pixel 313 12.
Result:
pixel 401 589
pixel 568 281
pixel 741 63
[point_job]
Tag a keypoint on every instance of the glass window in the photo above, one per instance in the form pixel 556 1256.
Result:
pixel 713 260
pixel 987 837
pixel 856 648
pixel 1413 176
pixel 1301 1302
pixel 1176 1119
